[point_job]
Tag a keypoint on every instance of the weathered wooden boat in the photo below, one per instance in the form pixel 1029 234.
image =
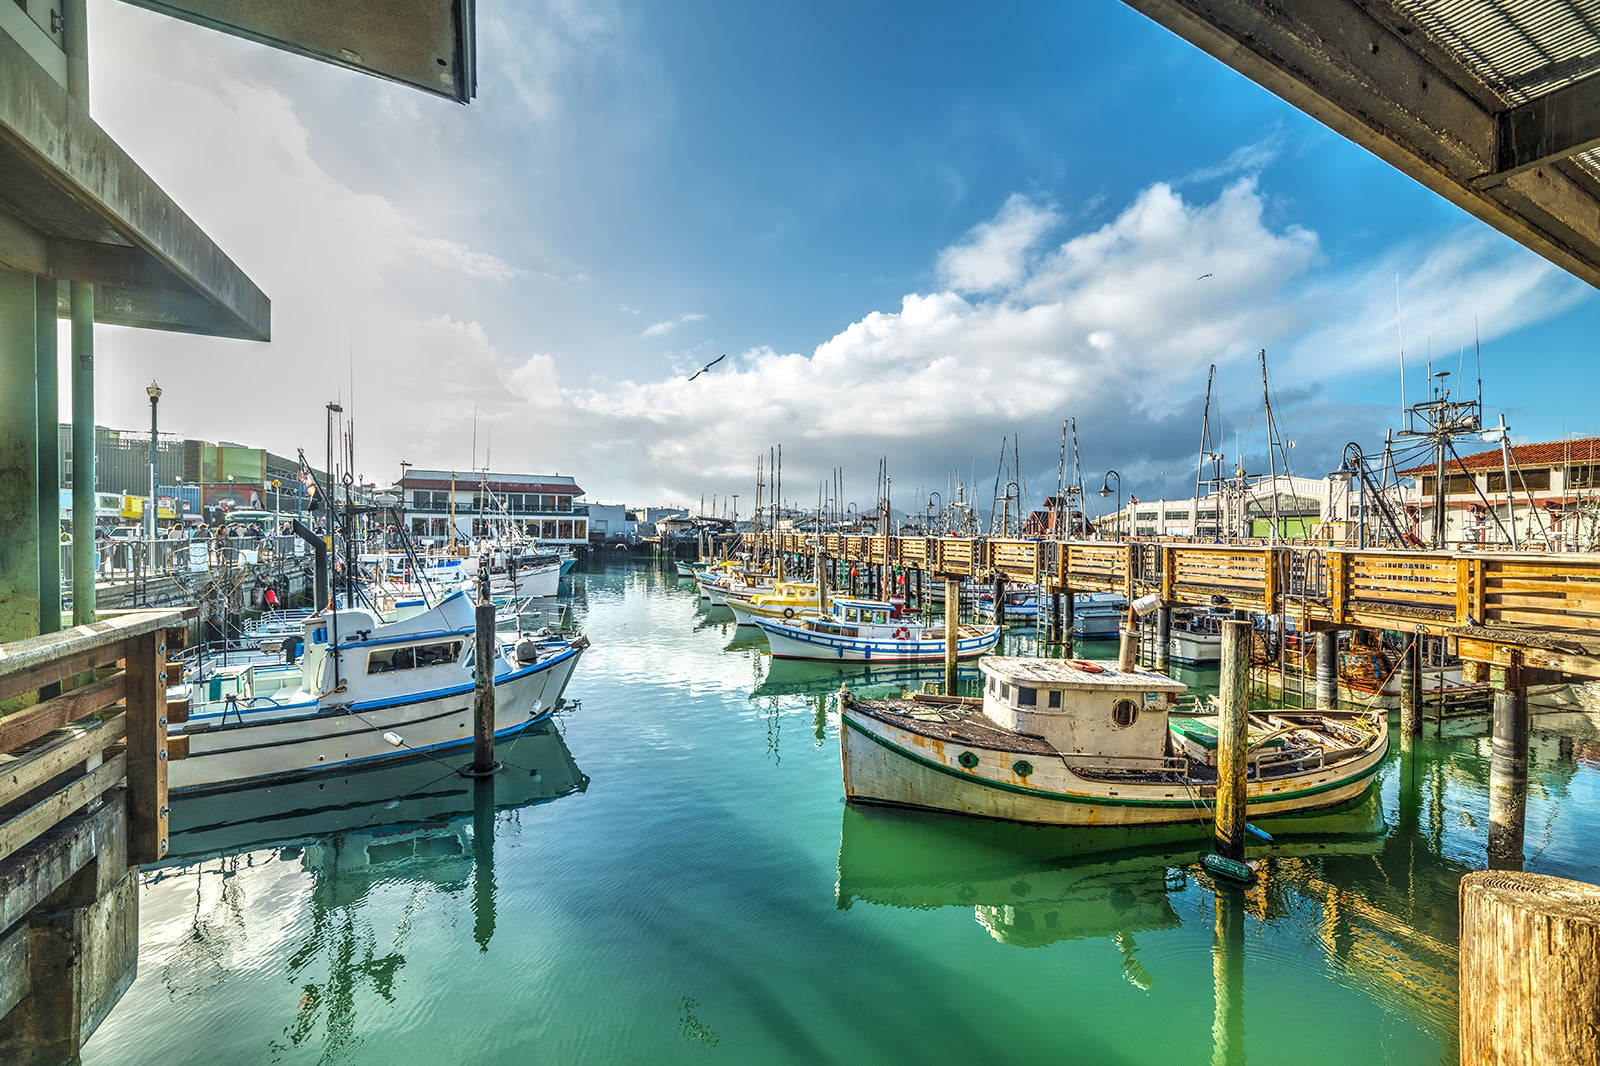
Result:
pixel 1064 742
pixel 870 631
pixel 788 599
pixel 368 689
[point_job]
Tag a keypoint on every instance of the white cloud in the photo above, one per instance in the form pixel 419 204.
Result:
pixel 992 255
pixel 667 326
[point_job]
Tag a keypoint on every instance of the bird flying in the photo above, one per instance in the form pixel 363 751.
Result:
pixel 708 366
pixel 1202 277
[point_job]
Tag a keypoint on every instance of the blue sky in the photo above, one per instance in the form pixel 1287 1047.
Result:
pixel 914 227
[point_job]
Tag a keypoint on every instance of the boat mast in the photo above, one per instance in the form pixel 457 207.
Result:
pixel 1205 450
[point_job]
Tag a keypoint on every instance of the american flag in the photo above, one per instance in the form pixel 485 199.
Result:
pixel 1132 500
pixel 307 478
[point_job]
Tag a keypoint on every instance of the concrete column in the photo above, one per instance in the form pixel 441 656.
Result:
pixel 83 573
pixel 1508 769
pixel 1327 670
pixel 19 457
pixel 1163 637
pixel 46 407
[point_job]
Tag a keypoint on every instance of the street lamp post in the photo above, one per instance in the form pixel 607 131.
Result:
pixel 1105 490
pixel 154 392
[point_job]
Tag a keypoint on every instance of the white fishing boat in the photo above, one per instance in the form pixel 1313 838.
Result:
pixel 1064 742
pixel 870 631
pixel 787 599
pixel 1195 637
pixel 1020 604
pixel 1097 615
pixel 684 569
pixel 368 688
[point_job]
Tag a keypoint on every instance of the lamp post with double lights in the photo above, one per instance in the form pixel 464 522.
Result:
pixel 154 392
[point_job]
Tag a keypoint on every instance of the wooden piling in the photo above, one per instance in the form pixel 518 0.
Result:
pixel 483 684
pixel 952 631
pixel 1055 617
pixel 1410 693
pixel 822 584
pixel 999 593
pixel 1233 740
pixel 1068 607
pixel 1530 989
pixel 1327 642
pixel 1163 648
pixel 1508 768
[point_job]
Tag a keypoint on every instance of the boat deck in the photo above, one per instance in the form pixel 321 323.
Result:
pixel 963 723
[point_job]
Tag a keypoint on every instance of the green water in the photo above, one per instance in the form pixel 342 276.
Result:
pixel 669 874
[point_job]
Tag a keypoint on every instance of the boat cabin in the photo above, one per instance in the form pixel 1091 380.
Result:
pixel 866 612
pixel 1081 707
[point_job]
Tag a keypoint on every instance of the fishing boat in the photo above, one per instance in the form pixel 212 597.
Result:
pixel 367 689
pixel 685 569
pixel 870 631
pixel 1195 637
pixel 1064 742
pixel 788 599
pixel 1097 615
pixel 1019 604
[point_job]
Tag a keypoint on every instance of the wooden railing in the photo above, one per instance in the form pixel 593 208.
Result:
pixel 108 728
pixel 1440 592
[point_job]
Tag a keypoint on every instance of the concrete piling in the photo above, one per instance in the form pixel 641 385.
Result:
pixel 1163 648
pixel 1327 644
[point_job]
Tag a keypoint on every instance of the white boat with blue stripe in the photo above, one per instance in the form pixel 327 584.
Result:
pixel 870 631
pixel 369 688
pixel 1098 614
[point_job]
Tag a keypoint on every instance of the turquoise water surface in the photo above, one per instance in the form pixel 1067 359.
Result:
pixel 668 873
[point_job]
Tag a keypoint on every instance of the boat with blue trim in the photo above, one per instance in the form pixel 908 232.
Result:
pixel 875 631
pixel 368 688
pixel 1097 615
pixel 1019 604
pixel 787 599
pixel 1062 742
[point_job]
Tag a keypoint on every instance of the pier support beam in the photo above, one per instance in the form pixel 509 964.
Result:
pixel 1233 740
pixel 483 763
pixel 999 593
pixel 1068 608
pixel 1508 768
pixel 1055 617
pixel 1529 986
pixel 952 631
pixel 19 455
pixel 46 407
pixel 1410 693
pixel 1327 642
pixel 1163 647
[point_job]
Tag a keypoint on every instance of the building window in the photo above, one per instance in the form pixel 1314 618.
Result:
pixel 580 529
pixel 1027 697
pixel 1534 480
pixel 1055 697
pixel 565 531
pixel 549 531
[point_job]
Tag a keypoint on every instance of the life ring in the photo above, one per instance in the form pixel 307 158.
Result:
pixel 902 633
pixel 788 612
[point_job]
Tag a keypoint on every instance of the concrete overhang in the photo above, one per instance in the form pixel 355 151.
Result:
pixel 75 206
pixel 1493 104
pixel 426 44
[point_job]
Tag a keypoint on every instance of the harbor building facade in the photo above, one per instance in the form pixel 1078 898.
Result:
pixel 1544 496
pixel 1305 509
pixel 546 507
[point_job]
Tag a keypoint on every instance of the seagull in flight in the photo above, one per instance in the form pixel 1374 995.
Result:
pixel 1202 277
pixel 708 366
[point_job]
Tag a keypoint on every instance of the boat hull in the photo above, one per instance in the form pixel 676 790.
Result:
pixel 265 746
pixel 1195 647
pixel 885 764
pixel 795 642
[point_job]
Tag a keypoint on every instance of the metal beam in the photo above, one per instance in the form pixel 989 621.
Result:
pixel 1362 76
pixel 1554 126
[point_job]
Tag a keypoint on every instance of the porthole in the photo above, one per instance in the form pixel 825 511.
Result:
pixel 1022 767
pixel 1124 713
pixel 967 760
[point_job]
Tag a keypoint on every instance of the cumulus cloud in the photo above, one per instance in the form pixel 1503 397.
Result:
pixel 660 329
pixel 993 255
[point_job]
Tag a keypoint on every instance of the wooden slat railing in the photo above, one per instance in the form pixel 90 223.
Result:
pixel 62 754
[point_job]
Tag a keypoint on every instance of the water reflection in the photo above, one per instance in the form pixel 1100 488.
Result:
pixel 417 826
pixel 801 677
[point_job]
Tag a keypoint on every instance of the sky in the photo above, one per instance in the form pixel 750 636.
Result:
pixel 913 229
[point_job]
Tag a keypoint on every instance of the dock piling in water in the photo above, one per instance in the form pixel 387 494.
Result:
pixel 1410 693
pixel 1508 768
pixel 1327 642
pixel 952 627
pixel 483 762
pixel 1232 740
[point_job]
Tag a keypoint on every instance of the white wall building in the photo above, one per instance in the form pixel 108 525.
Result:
pixel 544 506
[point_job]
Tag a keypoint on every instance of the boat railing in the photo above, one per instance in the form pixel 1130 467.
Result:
pixel 1089 763
pixel 1300 758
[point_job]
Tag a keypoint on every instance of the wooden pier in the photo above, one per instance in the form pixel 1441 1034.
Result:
pixel 83 801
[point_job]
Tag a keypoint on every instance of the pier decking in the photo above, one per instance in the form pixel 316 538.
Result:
pixel 1540 608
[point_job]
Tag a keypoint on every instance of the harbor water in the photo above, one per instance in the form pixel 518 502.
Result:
pixel 668 873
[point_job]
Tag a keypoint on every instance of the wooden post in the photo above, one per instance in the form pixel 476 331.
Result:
pixel 999 593
pixel 483 683
pixel 952 631
pixel 1055 617
pixel 1163 647
pixel 1327 670
pixel 1068 609
pixel 1508 769
pixel 1232 740
pixel 1530 989
pixel 147 747
pixel 822 585
pixel 1410 694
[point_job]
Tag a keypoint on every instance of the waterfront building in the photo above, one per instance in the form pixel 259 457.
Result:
pixel 546 507
pixel 1307 509
pixel 1552 501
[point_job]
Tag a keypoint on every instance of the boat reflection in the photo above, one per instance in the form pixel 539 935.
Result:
pixel 803 677
pixel 1033 885
pixel 356 839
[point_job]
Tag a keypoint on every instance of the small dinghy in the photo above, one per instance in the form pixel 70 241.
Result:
pixel 1060 742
